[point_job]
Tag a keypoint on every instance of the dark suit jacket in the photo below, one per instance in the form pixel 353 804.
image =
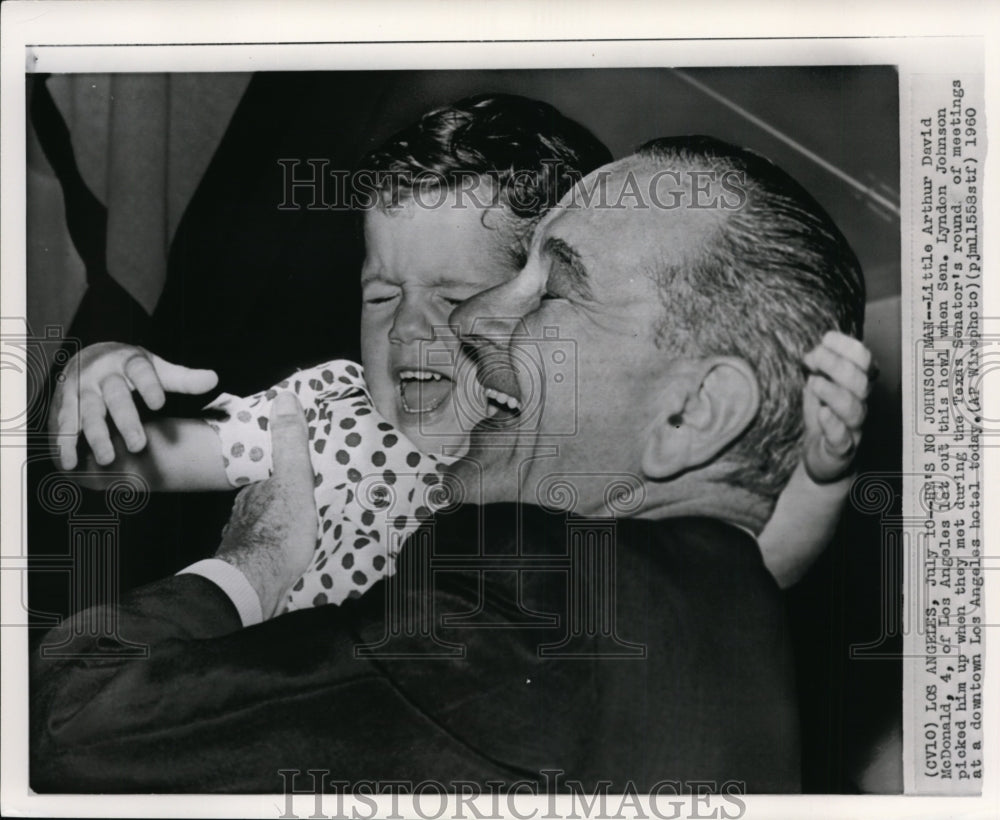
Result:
pixel 507 643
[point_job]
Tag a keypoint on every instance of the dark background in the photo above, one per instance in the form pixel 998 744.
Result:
pixel 255 292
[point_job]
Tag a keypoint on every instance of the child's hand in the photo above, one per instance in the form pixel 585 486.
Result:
pixel 834 405
pixel 100 380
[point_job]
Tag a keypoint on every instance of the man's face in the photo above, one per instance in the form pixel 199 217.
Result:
pixel 590 278
pixel 420 263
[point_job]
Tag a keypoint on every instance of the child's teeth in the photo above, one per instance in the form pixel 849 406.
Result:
pixel 420 375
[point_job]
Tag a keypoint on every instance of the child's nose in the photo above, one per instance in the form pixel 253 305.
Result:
pixel 411 322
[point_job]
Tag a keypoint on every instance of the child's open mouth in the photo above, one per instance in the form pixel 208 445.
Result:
pixel 423 391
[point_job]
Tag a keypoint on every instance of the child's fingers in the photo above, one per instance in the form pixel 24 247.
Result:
pixel 176 378
pixel 837 437
pixel 118 399
pixel 67 453
pixel 850 348
pixel 140 371
pixel 95 429
pixel 850 410
pixel 59 395
pixel 67 430
pixel 839 369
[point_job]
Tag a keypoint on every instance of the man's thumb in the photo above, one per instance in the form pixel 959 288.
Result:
pixel 290 439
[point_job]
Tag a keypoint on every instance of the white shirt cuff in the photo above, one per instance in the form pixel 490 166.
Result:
pixel 232 582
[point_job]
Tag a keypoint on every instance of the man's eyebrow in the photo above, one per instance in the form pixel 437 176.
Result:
pixel 565 253
pixel 461 283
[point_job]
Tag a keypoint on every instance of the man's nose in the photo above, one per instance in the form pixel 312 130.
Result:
pixel 497 314
pixel 411 322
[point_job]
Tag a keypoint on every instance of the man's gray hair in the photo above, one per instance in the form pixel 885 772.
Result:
pixel 777 276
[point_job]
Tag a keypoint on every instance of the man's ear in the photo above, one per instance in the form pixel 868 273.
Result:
pixel 704 411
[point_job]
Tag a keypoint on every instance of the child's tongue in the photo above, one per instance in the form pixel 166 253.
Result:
pixel 424 396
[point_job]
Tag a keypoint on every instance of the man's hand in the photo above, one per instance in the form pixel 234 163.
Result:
pixel 100 382
pixel 834 404
pixel 271 533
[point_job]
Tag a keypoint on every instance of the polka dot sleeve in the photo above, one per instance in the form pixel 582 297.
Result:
pixel 371 485
pixel 241 422
pixel 242 429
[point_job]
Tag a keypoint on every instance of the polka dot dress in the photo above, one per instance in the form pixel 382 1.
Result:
pixel 373 488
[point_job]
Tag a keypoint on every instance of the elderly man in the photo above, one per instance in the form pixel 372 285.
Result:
pixel 690 323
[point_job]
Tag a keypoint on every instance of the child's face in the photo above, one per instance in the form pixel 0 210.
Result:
pixel 421 262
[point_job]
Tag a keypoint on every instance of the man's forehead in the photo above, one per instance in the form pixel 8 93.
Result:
pixel 637 201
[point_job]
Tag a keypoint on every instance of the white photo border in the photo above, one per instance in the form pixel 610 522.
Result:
pixel 186 36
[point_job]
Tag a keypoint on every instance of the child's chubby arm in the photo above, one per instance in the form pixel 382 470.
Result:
pixel 834 404
pixel 171 454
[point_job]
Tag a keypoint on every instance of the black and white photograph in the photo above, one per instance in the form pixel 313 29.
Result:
pixel 398 435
